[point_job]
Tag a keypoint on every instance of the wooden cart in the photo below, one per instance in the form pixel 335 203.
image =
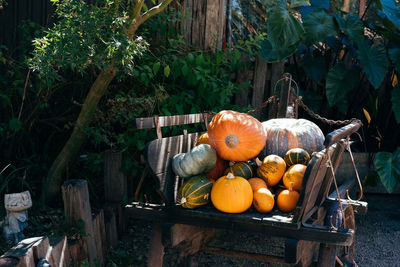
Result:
pixel 314 231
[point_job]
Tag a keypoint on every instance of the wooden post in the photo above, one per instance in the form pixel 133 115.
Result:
pixel 99 235
pixel 284 99
pixel 115 186
pixel 77 208
pixel 156 252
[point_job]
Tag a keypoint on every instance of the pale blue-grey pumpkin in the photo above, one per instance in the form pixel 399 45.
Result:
pixel 200 159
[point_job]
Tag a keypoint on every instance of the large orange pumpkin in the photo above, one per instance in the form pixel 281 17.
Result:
pixel 232 194
pixel 236 136
pixel 284 134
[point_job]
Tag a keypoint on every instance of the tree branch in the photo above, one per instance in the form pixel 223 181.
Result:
pixel 136 10
pixel 152 11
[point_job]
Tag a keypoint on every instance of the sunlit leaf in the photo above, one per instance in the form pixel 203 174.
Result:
pixel 367 116
pixel 388 167
pixel 314 67
pixel 167 71
pixel 352 26
pixel 392 11
pixel 374 62
pixel 396 103
pixel 156 67
pixel 339 82
pixel 394 79
pixel 318 26
pixel 299 3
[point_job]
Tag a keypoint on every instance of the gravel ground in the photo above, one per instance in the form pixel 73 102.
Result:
pixel 377 240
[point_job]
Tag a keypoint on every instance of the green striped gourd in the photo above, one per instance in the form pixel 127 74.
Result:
pixel 241 169
pixel 296 156
pixel 195 192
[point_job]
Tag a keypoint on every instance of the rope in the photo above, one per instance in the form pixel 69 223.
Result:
pixel 263 105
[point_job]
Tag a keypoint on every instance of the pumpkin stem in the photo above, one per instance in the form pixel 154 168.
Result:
pixel 232 141
pixel 231 163
pixel 230 176
pixel 183 200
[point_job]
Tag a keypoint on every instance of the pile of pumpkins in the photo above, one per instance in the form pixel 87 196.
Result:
pixel 224 165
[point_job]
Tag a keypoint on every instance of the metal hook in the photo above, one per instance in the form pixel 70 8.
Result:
pixel 361 193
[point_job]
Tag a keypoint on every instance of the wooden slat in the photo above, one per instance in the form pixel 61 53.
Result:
pixel 186 23
pixel 159 155
pixel 148 123
pixel 222 24
pixel 342 133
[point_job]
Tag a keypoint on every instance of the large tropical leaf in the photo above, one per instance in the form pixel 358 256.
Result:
pixel 314 67
pixel 283 29
pixel 388 167
pixel 318 26
pixel 299 3
pixel 314 4
pixel 339 82
pixel 272 53
pixel 396 102
pixel 392 11
pixel 352 26
pixel 394 55
pixel 374 62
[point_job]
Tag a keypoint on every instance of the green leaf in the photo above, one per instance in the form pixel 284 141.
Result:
pixel 185 70
pixel 156 67
pixel 299 3
pixel 374 62
pixel 274 54
pixel 314 67
pixel 318 26
pixel 352 26
pixel 394 55
pixel 396 102
pixel 283 29
pixel 392 11
pixel 15 124
pixel 167 71
pixel 339 82
pixel 388 167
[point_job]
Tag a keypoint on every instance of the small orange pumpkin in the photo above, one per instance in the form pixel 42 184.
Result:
pixel 231 194
pixel 257 183
pixel 203 139
pixel 236 136
pixel 272 169
pixel 294 176
pixel 287 199
pixel 263 200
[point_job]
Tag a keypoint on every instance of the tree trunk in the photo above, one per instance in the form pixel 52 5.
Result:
pixel 78 136
pixel 98 89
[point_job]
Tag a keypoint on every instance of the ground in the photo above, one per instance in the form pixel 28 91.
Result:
pixel 377 240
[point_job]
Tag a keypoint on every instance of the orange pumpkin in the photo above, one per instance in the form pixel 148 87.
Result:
pixel 236 136
pixel 272 169
pixel 231 194
pixel 284 134
pixel 203 139
pixel 257 183
pixel 263 200
pixel 294 176
pixel 287 200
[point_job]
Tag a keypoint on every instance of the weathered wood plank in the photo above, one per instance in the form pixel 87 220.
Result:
pixel 115 182
pixel 148 123
pixel 284 99
pixel 259 83
pixel 59 255
pixel 198 23
pixel 110 227
pixel 75 195
pixel 222 24
pixel 98 229
pixel 342 133
pixel 156 251
pixel 186 23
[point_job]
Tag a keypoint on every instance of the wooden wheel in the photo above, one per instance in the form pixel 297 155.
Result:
pixel 330 256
